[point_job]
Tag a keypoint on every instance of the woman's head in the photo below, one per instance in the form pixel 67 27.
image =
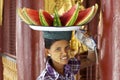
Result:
pixel 57 46
pixel 58 51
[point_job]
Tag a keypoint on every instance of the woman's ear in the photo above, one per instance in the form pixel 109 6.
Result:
pixel 47 52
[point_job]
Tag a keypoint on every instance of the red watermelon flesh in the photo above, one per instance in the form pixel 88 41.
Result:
pixel 68 16
pixel 33 16
pixel 93 13
pixel 85 16
pixel 48 18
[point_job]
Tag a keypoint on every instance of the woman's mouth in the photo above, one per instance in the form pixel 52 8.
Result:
pixel 64 58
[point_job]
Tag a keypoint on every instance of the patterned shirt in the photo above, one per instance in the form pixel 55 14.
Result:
pixel 70 69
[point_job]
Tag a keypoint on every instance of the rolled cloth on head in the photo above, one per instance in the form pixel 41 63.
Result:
pixel 61 35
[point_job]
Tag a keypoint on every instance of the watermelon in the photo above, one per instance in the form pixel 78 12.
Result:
pixel 32 15
pixel 86 15
pixel 92 16
pixel 22 16
pixel 56 21
pixel 69 17
pixel 45 18
pixel 73 17
pixel 95 10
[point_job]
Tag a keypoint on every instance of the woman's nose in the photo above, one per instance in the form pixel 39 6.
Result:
pixel 64 52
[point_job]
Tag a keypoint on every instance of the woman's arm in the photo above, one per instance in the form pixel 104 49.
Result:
pixel 89 60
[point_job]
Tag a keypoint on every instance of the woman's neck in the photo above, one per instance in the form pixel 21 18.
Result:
pixel 58 67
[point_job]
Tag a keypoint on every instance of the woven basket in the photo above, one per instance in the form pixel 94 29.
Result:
pixel 9 69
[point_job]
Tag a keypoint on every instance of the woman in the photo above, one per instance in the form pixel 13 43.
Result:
pixel 59 66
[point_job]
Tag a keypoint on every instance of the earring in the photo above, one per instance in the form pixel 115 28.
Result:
pixel 48 54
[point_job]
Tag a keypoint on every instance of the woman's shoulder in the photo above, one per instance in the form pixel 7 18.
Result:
pixel 44 76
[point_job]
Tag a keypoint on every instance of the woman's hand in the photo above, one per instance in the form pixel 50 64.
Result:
pixel 72 53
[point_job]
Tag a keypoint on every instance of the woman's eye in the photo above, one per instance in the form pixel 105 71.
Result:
pixel 58 49
pixel 68 47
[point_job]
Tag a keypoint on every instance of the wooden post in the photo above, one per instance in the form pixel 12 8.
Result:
pixel 1 67
pixel 109 40
pixel 30 50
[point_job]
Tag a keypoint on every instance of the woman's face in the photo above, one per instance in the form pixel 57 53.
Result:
pixel 59 51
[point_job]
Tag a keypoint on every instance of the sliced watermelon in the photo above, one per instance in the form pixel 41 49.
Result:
pixel 22 16
pixel 92 16
pixel 95 10
pixel 32 15
pixel 86 15
pixel 56 21
pixel 69 18
pixel 45 18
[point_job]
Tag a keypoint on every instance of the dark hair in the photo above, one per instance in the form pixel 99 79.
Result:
pixel 49 42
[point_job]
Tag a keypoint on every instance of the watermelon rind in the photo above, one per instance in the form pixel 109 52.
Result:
pixel 68 18
pixel 42 19
pixel 74 17
pixel 89 17
pixel 29 18
pixel 56 21
pixel 95 10
pixel 22 16
pixel 92 15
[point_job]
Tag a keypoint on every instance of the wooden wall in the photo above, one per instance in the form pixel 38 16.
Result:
pixel 1 70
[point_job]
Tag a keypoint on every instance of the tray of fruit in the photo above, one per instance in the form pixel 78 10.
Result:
pixel 73 19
